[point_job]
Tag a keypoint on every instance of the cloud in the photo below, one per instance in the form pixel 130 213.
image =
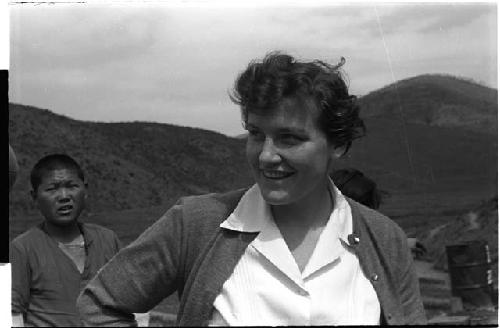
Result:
pixel 458 15
pixel 81 36
pixel 429 17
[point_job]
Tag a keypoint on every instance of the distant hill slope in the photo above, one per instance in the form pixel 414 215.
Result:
pixel 421 157
pixel 129 165
pixel 436 100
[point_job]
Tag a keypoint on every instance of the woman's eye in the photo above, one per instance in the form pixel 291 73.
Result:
pixel 290 138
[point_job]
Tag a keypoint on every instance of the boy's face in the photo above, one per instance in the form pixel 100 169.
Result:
pixel 61 196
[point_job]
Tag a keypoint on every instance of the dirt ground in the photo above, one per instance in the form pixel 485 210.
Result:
pixel 442 308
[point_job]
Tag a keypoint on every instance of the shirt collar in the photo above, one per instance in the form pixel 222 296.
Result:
pixel 252 213
pixel 87 238
pixel 341 214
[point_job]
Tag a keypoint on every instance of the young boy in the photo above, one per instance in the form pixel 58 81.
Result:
pixel 54 260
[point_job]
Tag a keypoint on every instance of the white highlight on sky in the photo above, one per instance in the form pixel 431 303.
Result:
pixel 176 63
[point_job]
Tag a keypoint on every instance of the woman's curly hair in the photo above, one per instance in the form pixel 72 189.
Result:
pixel 264 85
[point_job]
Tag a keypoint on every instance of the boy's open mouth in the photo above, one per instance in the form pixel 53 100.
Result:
pixel 66 209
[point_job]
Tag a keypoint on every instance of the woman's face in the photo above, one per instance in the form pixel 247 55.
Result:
pixel 288 154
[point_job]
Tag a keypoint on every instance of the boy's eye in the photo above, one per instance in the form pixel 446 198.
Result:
pixel 254 133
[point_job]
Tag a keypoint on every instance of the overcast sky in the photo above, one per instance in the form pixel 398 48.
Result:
pixel 175 64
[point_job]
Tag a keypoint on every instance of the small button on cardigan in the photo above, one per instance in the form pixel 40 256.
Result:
pixel 187 252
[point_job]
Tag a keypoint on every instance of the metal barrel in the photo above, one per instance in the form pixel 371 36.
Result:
pixel 469 265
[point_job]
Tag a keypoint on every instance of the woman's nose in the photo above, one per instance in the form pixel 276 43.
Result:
pixel 269 153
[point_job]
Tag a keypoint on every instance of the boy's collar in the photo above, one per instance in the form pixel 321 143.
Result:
pixel 87 238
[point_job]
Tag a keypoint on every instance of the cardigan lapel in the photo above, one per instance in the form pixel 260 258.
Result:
pixel 216 265
pixel 369 259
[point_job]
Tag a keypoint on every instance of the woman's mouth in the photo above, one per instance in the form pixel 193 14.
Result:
pixel 276 174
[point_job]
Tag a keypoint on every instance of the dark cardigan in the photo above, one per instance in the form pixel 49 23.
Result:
pixel 186 251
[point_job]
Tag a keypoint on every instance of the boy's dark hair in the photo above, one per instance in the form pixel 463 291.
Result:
pixel 51 163
pixel 354 184
pixel 264 85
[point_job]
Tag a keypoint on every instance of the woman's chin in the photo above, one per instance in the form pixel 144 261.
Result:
pixel 276 197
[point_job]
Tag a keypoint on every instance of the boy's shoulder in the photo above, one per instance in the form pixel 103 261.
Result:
pixel 32 237
pixel 96 229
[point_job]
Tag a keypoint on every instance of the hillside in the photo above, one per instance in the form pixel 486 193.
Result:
pixel 129 165
pixel 419 157
pixel 480 223
pixel 436 100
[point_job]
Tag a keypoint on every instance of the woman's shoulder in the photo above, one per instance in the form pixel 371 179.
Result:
pixel 375 221
pixel 207 209
pixel 382 234
pixel 213 200
pixel 198 218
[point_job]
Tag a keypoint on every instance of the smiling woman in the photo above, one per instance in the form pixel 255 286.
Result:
pixel 289 250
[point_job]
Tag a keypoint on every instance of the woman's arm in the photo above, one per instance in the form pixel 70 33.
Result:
pixel 137 278
pixel 409 289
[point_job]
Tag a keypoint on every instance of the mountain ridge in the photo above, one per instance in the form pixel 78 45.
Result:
pixel 436 100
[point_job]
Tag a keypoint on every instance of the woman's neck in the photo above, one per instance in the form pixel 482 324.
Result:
pixel 301 223
pixel 63 234
pixel 309 212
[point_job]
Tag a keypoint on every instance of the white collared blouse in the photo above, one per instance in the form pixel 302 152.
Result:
pixel 267 287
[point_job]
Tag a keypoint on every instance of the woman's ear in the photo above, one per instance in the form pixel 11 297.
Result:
pixel 338 151
pixel 86 186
